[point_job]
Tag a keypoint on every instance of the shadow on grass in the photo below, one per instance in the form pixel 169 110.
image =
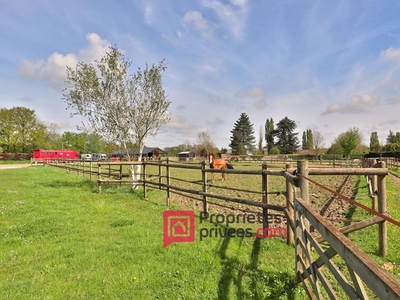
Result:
pixel 87 184
pixel 248 281
pixel 352 208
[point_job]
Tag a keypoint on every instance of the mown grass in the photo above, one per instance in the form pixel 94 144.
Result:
pixel 62 240
pixel 395 171
pixel 367 238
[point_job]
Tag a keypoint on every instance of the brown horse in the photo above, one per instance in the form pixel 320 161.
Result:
pixel 218 163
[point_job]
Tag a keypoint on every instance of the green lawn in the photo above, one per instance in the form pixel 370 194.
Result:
pixel 59 239
pixel 367 238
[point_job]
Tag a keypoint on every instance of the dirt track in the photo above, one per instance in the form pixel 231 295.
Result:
pixel 16 166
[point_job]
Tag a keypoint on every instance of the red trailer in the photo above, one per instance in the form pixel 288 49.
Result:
pixel 41 155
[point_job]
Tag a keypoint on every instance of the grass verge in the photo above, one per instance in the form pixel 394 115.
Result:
pixel 61 240
pixel 367 238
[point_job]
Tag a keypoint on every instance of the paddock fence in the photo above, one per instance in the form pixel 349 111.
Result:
pixel 317 241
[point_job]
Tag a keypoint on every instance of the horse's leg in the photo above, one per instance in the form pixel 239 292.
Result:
pixel 223 174
pixel 212 177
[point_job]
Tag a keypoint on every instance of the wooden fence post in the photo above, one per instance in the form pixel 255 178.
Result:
pixel 302 167
pixel 168 183
pixel 204 188
pixel 90 172
pixel 99 178
pixel 290 209
pixel 265 200
pixel 382 208
pixel 159 174
pixel 303 183
pixel 374 188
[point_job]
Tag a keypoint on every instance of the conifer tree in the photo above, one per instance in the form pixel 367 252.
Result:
pixel 242 139
pixel 269 133
pixel 288 142
pixel 310 140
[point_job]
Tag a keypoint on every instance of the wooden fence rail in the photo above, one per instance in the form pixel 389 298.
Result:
pixel 298 212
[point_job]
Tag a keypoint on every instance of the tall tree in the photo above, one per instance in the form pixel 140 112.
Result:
pixel 287 140
pixel 117 105
pixel 392 142
pixel 304 141
pixel 21 130
pixel 318 141
pixel 310 141
pixel 242 139
pixel 350 140
pixel 390 138
pixel 307 142
pixel 260 139
pixel 393 137
pixel 53 137
pixel 205 144
pixel 269 133
pixel 374 142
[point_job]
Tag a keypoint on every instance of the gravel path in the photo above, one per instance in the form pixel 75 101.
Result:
pixel 16 166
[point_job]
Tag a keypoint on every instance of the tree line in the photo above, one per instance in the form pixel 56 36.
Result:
pixel 21 131
pixel 282 139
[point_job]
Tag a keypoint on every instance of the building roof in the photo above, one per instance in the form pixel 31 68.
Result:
pixel 146 150
pixel 186 152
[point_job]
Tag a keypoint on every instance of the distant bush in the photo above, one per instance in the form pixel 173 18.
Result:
pixel 274 150
pixel 15 156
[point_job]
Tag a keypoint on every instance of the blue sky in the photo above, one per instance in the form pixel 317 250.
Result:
pixel 328 65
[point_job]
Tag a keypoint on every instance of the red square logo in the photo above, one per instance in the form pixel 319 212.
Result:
pixel 178 226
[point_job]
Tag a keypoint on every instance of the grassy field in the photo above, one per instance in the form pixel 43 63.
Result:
pixel 61 240
pixel 395 171
pixel 367 239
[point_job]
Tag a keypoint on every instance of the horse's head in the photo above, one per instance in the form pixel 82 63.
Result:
pixel 210 157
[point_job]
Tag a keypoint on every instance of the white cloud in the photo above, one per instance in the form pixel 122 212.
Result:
pixel 254 92
pixel 148 13
pixel 26 99
pixel 195 18
pixel 53 69
pixel 394 100
pixel 233 17
pixel 240 3
pixel 260 104
pixel 216 122
pixel 179 124
pixel 356 105
pixel 97 47
pixel 391 54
